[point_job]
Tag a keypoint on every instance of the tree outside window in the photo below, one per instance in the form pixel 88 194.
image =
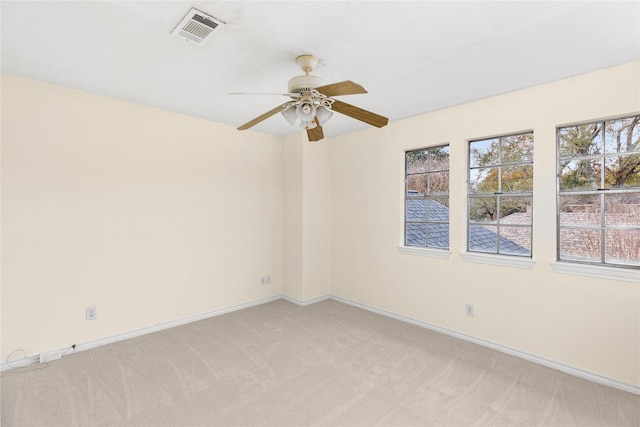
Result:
pixel 427 197
pixel 500 195
pixel 599 192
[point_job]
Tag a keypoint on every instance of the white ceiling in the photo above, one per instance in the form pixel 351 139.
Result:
pixel 412 57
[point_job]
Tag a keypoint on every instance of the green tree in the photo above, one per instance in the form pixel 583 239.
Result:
pixel 582 146
pixel 421 165
pixel 501 166
pixel 624 136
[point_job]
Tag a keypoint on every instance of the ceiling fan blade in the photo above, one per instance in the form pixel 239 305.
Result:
pixel 358 113
pixel 264 116
pixel 346 87
pixel 315 134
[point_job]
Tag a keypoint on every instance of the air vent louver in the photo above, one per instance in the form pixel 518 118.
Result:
pixel 196 27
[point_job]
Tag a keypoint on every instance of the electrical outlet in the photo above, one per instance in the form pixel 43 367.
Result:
pixel 91 313
pixel 470 311
pixel 265 280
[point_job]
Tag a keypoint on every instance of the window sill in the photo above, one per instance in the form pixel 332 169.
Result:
pixel 428 252
pixel 600 272
pixel 502 260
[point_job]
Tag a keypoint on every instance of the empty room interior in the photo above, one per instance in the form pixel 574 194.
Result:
pixel 304 213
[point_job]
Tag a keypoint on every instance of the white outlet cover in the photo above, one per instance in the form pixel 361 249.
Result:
pixel 470 311
pixel 91 313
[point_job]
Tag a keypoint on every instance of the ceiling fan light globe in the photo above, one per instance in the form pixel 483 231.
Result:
pixel 323 115
pixel 290 115
pixel 306 111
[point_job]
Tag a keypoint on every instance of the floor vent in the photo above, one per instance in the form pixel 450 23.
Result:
pixel 196 27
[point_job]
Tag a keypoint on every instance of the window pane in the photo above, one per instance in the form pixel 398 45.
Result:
pixel 613 163
pixel 439 183
pixel 483 209
pixel 515 210
pixel 427 174
pixel 416 235
pixel 622 171
pixel 517 148
pixel 515 240
pixel 580 210
pixel 580 175
pixel 580 245
pixel 483 180
pixel 577 141
pixel 483 239
pixel 417 185
pixel 622 247
pixel 622 209
pixel 438 235
pixel 622 136
pixel 416 210
pixel 484 153
pixel 438 210
pixel 517 179
pixel 439 159
pixel 416 161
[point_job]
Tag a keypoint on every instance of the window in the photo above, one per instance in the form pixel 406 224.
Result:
pixel 599 192
pixel 427 197
pixel 500 195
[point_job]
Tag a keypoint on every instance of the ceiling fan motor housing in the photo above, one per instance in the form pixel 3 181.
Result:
pixel 304 83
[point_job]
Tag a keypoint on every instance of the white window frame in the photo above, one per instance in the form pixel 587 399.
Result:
pixel 429 251
pixel 494 257
pixel 602 269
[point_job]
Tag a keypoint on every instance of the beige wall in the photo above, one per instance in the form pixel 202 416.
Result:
pixel 154 217
pixel 588 323
pixel 306 218
pixel 292 217
pixel 316 204
pixel 149 215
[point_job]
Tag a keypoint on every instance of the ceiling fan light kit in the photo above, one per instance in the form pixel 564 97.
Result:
pixel 312 103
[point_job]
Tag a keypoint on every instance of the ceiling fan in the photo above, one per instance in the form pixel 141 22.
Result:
pixel 312 103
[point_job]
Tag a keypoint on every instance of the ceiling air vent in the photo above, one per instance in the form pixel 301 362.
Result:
pixel 196 27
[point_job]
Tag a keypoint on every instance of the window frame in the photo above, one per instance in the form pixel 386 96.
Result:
pixel 471 254
pixel 601 192
pixel 426 250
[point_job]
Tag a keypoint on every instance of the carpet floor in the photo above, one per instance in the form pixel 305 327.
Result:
pixel 327 364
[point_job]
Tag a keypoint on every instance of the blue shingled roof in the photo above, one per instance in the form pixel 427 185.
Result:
pixel 417 210
pixel 481 239
pixel 417 233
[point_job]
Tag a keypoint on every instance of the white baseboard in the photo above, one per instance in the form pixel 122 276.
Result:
pixel 30 360
pixel 20 363
pixel 306 302
pixel 501 348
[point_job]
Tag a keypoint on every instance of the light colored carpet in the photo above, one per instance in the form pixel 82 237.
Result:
pixel 327 364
